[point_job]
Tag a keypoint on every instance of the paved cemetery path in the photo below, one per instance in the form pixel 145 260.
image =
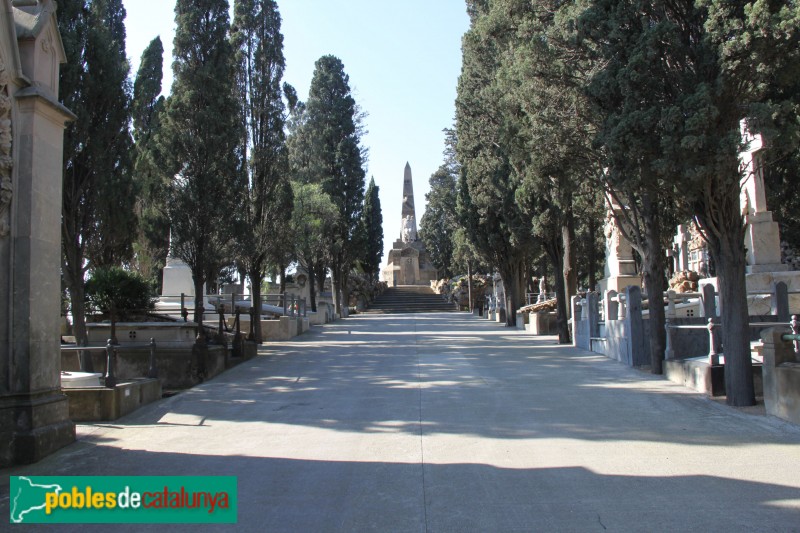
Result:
pixel 451 423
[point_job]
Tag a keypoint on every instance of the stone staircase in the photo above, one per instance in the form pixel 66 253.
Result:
pixel 410 299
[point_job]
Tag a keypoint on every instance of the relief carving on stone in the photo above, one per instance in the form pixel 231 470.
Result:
pixel 6 160
pixel 409 233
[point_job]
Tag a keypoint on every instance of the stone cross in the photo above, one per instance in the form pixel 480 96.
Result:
pixel 762 236
pixel 680 248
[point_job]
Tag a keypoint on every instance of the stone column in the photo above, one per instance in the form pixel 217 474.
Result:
pixel 34 414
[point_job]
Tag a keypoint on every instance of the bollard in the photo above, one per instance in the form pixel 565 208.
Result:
pixel 713 355
pixel 153 371
pixel 113 325
pixel 669 351
pixel 201 334
pixel 237 333
pixel 184 310
pixel 110 378
pixel 221 324
pixel 251 336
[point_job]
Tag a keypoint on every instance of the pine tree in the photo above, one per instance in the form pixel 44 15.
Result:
pixel 372 223
pixel 152 243
pixel 97 211
pixel 199 140
pixel 259 56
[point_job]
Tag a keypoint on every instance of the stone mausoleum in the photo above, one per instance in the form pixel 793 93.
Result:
pixel 408 262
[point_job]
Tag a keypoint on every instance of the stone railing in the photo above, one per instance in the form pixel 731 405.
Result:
pixel 781 371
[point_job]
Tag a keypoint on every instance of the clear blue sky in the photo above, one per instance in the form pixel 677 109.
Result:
pixel 403 59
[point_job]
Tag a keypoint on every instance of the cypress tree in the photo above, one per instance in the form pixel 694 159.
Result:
pixel 152 243
pixel 98 193
pixel 258 42
pixel 497 225
pixel 724 62
pixel 334 159
pixel 372 222
pixel 110 96
pixel 199 140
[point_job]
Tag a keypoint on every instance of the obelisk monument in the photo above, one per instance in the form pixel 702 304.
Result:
pixel 408 214
pixel 408 262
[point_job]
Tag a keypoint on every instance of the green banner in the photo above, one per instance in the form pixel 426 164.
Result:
pixel 123 500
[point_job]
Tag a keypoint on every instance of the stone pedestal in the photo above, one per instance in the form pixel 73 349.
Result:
pixel 763 243
pixel 177 279
pixel 34 413
pixel 620 267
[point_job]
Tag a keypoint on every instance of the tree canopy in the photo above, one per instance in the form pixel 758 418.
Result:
pixel 329 152
pixel 98 192
pixel 200 140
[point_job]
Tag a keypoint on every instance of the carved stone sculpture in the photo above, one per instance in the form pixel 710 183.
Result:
pixel 6 161
pixel 409 231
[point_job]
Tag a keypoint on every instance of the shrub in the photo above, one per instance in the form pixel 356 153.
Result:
pixel 125 291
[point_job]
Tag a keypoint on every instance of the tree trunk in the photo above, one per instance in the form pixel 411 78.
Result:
pixel 198 297
pixel 513 274
pixel 77 297
pixel 562 318
pixel 335 286
pixel 730 258
pixel 312 290
pixel 345 294
pixel 591 252
pixel 319 275
pixel 283 279
pixel 255 275
pixel 529 283
pixel 556 255
pixel 654 282
pixel 469 288
pixel 569 269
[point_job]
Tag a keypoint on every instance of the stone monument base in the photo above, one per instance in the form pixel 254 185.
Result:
pixel 619 283
pixel 409 264
pixel 33 426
